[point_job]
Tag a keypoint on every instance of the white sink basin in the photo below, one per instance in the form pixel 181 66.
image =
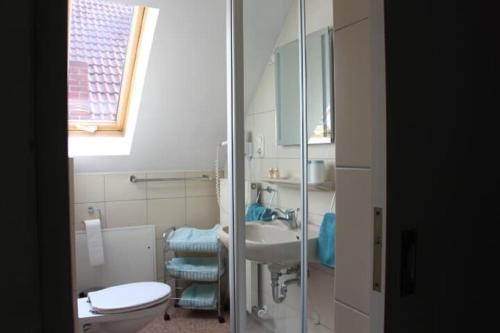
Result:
pixel 273 242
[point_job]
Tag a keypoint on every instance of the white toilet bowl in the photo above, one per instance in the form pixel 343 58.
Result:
pixel 124 308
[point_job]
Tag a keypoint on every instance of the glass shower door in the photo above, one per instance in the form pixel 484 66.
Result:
pixel 272 232
pixel 273 265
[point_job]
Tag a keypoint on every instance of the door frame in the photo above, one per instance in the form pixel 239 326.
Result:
pixel 51 140
pixel 236 163
pixel 379 154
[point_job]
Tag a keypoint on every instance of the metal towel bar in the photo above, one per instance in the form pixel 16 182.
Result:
pixel 134 179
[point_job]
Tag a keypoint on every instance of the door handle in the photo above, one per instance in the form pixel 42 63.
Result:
pixel 377 249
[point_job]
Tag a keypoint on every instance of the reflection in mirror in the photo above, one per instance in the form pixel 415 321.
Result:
pixel 319 90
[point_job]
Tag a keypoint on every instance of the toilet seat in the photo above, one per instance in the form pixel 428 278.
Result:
pixel 128 297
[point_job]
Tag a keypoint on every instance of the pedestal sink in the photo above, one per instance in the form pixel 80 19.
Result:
pixel 273 243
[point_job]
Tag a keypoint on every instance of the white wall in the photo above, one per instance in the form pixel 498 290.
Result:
pixel 182 117
pixel 163 204
pixel 260 120
pixel 262 23
pixel 353 123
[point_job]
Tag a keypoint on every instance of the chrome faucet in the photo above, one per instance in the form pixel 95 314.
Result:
pixel 288 217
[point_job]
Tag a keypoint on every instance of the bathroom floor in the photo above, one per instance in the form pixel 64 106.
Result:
pixel 188 321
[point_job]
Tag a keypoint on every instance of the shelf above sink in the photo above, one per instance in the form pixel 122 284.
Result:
pixel 326 186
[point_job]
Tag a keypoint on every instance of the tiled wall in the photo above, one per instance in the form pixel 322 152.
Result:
pixel 352 53
pixel 164 204
pixel 260 120
pixel 350 165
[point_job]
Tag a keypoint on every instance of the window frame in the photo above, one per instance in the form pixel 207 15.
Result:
pixel 117 128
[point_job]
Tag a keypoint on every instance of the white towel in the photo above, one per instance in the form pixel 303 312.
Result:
pixel 94 242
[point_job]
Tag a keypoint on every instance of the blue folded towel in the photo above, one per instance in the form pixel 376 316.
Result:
pixel 194 268
pixel 194 239
pixel 326 240
pixel 201 296
pixel 257 212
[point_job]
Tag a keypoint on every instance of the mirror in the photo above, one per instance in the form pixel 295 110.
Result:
pixel 319 90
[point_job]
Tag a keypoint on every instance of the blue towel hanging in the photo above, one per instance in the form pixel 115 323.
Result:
pixel 254 212
pixel 326 240
pixel 257 212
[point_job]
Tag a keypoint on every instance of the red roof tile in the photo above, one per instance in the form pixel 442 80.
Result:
pixel 99 36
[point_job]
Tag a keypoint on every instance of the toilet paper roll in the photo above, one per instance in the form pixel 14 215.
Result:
pixel 94 242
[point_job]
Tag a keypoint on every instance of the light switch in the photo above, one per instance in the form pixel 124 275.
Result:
pixel 259 146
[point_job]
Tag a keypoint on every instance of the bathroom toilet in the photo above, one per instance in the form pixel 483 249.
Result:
pixel 125 308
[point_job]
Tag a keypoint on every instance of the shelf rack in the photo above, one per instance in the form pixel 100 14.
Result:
pixel 192 279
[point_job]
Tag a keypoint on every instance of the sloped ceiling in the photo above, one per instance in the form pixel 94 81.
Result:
pixel 262 23
pixel 183 108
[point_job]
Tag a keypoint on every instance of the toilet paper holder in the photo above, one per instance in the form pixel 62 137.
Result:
pixel 91 211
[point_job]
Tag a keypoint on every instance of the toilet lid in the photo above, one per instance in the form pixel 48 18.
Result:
pixel 128 297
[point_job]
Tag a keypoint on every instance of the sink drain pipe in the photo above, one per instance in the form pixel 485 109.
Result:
pixel 280 289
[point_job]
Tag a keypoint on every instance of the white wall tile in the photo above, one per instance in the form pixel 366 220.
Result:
pixel 314 328
pixel 353 252
pixel 260 167
pixel 202 212
pixel 265 125
pixel 293 295
pixel 197 188
pixel 330 170
pixel 288 197
pixel 349 11
pixel 323 151
pixel 350 321
pixel 317 151
pixel 352 96
pixel 319 14
pixel 265 282
pixel 289 167
pixel 288 151
pixel 160 266
pixel 126 213
pixel 248 168
pixel 249 137
pixel 321 296
pixel 166 213
pixel 118 187
pixel 315 219
pixel 319 202
pixel 167 189
pixel 81 213
pixel 89 188
pixel 284 317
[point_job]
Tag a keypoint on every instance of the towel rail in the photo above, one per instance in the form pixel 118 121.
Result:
pixel 134 179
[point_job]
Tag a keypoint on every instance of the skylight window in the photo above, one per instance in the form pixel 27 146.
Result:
pixel 103 43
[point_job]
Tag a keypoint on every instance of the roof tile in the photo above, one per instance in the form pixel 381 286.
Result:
pixel 99 36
